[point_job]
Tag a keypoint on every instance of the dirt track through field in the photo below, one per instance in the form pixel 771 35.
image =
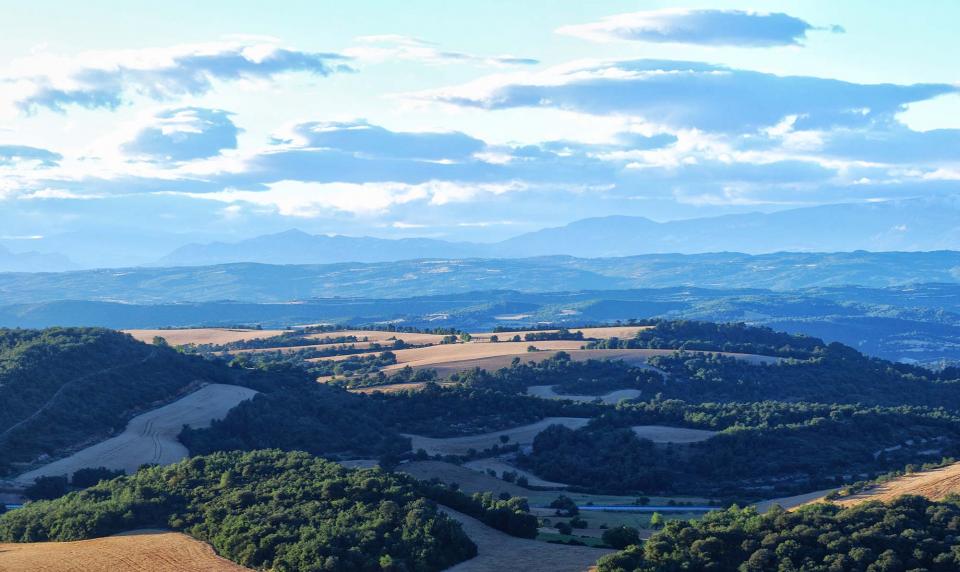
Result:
pixel 499 551
pixel 522 435
pixel 152 436
pixel 138 551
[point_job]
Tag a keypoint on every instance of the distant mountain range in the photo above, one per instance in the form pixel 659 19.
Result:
pixel 249 282
pixel 33 262
pixel 908 225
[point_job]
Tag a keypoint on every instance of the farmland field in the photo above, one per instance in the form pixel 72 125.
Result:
pixel 934 484
pixel 382 336
pixel 498 551
pixel 500 467
pixel 152 436
pixel 522 435
pixel 143 550
pixel 470 480
pixel 201 336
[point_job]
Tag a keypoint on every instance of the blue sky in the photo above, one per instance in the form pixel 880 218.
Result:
pixel 223 120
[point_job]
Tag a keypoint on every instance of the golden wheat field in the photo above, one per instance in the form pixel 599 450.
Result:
pixel 202 336
pixel 138 551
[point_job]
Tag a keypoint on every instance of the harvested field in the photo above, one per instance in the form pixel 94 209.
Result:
pixel 291 349
pixel 501 466
pixel 498 551
pixel 152 436
pixel 383 337
pixel 547 392
pixel 664 434
pixel 522 435
pixel 143 550
pixel 200 336
pixel 470 481
pixel 392 388
pixel 589 333
pixel 452 358
pixel 935 484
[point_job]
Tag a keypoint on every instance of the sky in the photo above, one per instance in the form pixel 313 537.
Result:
pixel 183 121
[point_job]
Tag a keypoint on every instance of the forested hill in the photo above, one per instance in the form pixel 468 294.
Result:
pixel 248 282
pixel 266 510
pixel 63 386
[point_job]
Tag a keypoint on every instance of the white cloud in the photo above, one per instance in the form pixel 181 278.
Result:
pixel 107 79
pixel 704 27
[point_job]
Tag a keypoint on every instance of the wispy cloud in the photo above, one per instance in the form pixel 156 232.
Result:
pixel 106 79
pixel 703 27
pixel 385 48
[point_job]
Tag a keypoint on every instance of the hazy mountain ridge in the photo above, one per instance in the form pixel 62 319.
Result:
pixel 33 261
pixel 910 225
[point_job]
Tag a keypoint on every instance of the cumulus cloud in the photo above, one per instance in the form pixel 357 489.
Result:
pixel 106 79
pixel 384 48
pixel 703 27
pixel 682 94
pixel 183 134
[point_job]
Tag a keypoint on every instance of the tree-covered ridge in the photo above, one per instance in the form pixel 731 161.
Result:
pixel 63 386
pixel 789 450
pixel 316 418
pixel 910 533
pixel 709 336
pixel 266 510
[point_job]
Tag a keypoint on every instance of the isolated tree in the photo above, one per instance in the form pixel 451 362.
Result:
pixel 656 520
pixel 621 537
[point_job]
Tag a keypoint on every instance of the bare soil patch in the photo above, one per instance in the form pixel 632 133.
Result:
pixel 146 551
pixel 522 435
pixel 498 551
pixel 201 336
pixel 152 436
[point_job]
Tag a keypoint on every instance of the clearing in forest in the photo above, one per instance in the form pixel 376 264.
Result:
pixel 522 435
pixel 470 480
pixel 142 550
pixel 152 436
pixel 498 551
pixel 664 434
pixel 547 392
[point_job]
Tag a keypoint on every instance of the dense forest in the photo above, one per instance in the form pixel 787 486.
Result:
pixel 910 533
pixel 266 510
pixel 63 386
